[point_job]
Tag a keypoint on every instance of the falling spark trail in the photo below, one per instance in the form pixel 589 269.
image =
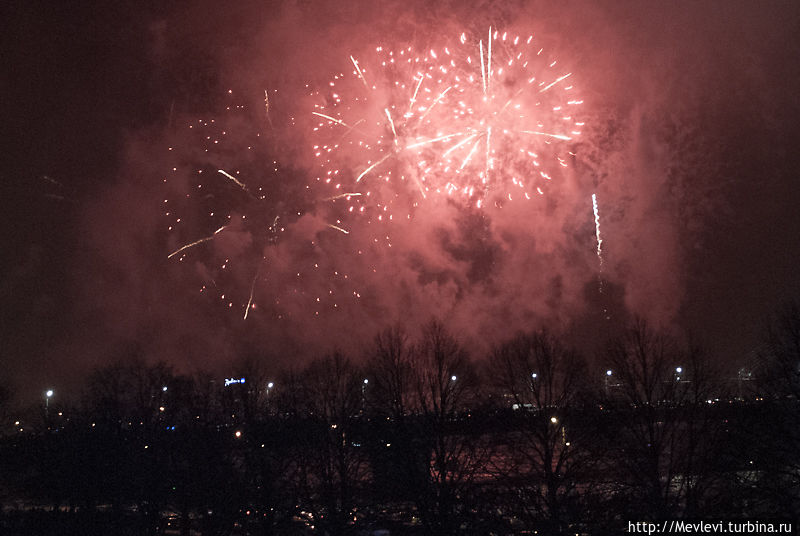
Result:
pixel 346 194
pixel 471 152
pixel 435 102
pixel 489 64
pixel 483 69
pixel 373 166
pixel 332 226
pixel 433 140
pixel 457 145
pixel 196 242
pixel 339 121
pixel 391 122
pixel 266 109
pixel 234 179
pixel 414 97
pixel 556 81
pixel 547 134
pixel 360 73
pixel 252 290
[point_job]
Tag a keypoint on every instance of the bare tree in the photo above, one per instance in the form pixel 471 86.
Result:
pixel 546 457
pixel 332 460
pixel 447 453
pixel 663 434
pixel 389 366
pixel 778 359
pixel 775 439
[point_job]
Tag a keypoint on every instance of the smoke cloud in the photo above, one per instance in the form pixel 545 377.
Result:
pixel 669 92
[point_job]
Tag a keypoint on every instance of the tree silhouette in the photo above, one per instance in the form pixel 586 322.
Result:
pixel 546 454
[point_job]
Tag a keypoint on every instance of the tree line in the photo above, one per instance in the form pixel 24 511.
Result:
pixel 419 438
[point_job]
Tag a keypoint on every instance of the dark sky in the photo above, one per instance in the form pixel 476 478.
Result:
pixel 690 144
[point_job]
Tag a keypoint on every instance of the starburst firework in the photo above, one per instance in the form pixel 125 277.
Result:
pixel 489 118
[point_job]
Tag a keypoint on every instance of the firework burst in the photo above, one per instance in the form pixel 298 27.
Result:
pixel 243 223
pixel 482 119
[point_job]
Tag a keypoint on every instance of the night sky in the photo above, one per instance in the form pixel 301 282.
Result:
pixel 690 145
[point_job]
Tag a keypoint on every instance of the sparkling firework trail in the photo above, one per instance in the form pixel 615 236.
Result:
pixel 252 291
pixel 600 287
pixel 234 179
pixel 266 108
pixel 196 242
pixel 332 226
pixel 342 196
pixel 360 73
pixel 597 230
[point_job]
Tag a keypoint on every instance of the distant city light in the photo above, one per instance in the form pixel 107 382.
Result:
pixel 534 375
pixel 231 381
pixel 270 385
pixel 453 377
pixel 608 372
pixel 164 388
pixel 553 420
pixel 678 370
pixel 366 381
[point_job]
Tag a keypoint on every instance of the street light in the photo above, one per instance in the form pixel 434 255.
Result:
pixel 609 372
pixel 453 377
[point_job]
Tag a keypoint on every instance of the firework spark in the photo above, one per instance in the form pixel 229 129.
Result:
pixel 196 242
